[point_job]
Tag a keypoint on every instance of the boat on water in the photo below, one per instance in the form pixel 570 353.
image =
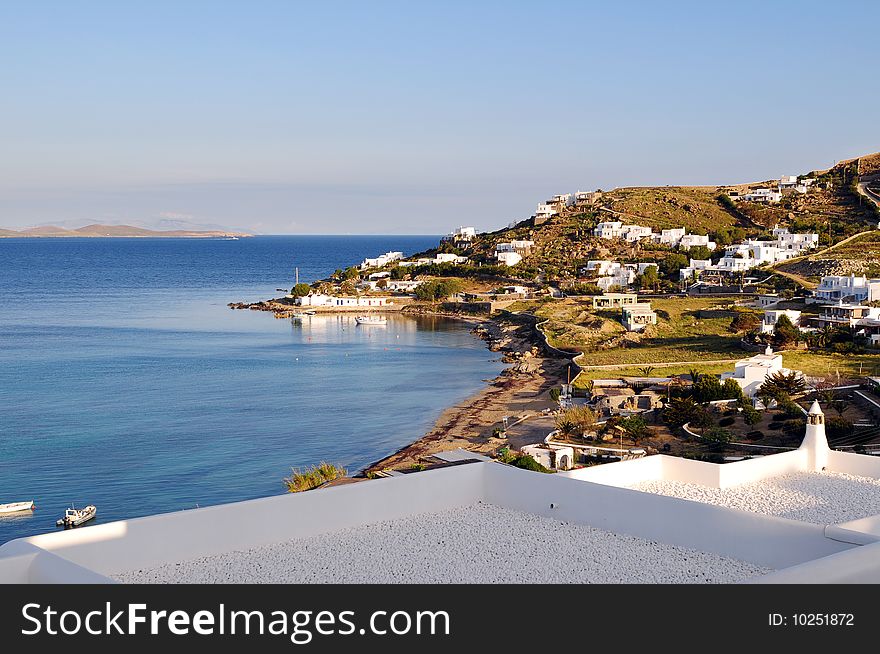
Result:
pixel 310 313
pixel 75 517
pixel 299 316
pixel 17 507
pixel 371 320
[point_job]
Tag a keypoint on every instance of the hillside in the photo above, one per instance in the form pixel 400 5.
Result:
pixel 112 231
pixel 668 207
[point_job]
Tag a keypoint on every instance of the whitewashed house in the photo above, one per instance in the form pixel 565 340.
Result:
pixel 633 233
pixel 846 314
pixel 670 237
pixel 636 317
pixel 765 195
pixel 750 373
pixel 508 258
pixel 689 241
pixel 545 210
pixel 608 230
pixel 553 457
pixel 848 288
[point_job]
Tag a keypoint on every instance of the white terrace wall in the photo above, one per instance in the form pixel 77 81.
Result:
pixel 752 470
pixel 862 465
pixel 148 542
pixel 763 540
pixel 860 565
pixel 622 473
pixel 690 471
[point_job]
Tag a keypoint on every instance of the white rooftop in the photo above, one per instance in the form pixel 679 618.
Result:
pixel 480 543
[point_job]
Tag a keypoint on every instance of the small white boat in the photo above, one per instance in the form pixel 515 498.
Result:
pixel 310 313
pixel 371 320
pixel 16 507
pixel 75 517
pixel 299 316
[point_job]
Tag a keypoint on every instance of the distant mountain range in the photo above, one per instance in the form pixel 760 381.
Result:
pixel 115 231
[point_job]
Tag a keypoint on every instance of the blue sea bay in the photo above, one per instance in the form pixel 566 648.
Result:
pixel 126 381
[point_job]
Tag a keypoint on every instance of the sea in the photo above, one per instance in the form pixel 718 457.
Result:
pixel 126 381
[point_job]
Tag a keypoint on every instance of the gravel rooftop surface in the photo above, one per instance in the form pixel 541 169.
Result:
pixel 480 543
pixel 819 497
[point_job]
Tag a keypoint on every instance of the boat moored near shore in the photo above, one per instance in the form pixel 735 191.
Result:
pixel 371 320
pixel 75 517
pixel 17 507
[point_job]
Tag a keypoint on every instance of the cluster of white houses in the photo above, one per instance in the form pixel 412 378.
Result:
pixel 753 253
pixel 559 203
pixel 766 195
pixel 676 237
pixel 614 274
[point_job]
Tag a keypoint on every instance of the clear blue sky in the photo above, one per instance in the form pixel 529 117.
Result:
pixel 410 117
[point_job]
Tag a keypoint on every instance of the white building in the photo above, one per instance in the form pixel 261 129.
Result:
pixel 752 372
pixel 321 300
pixel 852 288
pixel 520 247
pixel 545 210
pixel 381 260
pixel 508 258
pixel 402 286
pixel 670 237
pixel 553 457
pixel 610 229
pixel 636 317
pixel 788 181
pixel 846 314
pixel 694 268
pixel 771 317
pixel 758 195
pixel 620 277
pixel 440 257
pixel 633 233
pixel 688 241
pixel 460 236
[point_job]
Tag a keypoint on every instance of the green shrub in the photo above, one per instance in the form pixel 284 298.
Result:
pixel 313 477
pixel 725 422
pixel 755 435
pixel 526 462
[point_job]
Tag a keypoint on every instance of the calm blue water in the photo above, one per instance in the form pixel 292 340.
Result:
pixel 127 383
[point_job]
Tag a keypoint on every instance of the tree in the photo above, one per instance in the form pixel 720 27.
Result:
pixel 840 406
pixel 717 436
pixel 673 262
pixel 648 279
pixel 751 416
pixel 576 420
pixel 744 321
pixel 300 290
pixel 781 384
pixel 694 375
pixel 707 388
pixel 730 390
pixel 680 410
pixel 635 426
pixel 382 283
pixel 785 332
pixel 699 252
pixel 438 289
pixel 646 370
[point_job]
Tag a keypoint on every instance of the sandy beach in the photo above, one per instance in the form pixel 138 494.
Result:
pixel 519 392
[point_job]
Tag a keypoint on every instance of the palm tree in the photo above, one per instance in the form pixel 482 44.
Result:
pixel 695 375
pixel 646 370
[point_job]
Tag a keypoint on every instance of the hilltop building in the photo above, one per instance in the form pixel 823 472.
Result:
pixel 381 260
